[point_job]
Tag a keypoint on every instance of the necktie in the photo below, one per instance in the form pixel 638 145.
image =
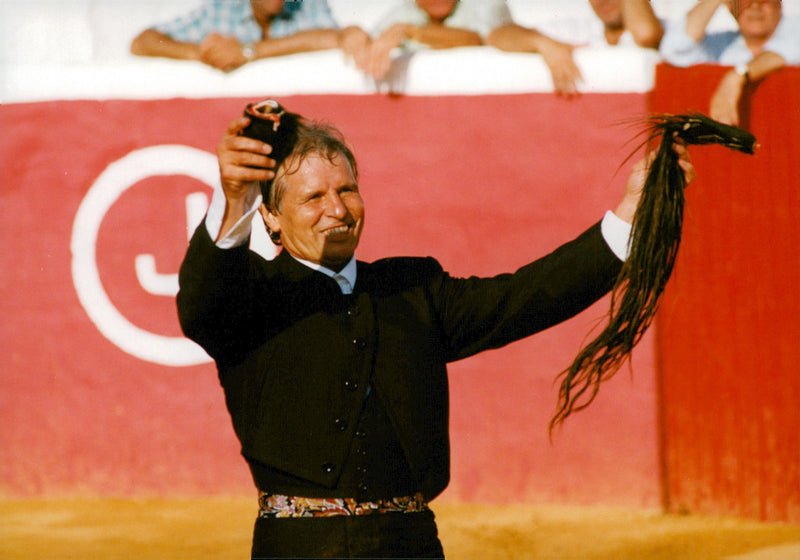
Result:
pixel 344 284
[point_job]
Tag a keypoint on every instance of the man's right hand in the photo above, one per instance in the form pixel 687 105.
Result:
pixel 243 162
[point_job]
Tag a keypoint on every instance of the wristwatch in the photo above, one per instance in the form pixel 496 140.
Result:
pixel 249 51
pixel 743 71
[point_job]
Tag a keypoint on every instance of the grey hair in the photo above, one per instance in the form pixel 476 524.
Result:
pixel 313 138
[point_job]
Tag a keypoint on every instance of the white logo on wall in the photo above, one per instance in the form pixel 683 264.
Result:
pixel 102 195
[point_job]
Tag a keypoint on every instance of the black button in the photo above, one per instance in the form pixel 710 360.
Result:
pixel 353 312
pixel 363 487
pixel 360 343
pixel 351 385
pixel 340 424
pixel 361 434
pixel 328 468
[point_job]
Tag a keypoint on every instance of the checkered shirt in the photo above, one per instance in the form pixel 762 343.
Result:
pixel 235 18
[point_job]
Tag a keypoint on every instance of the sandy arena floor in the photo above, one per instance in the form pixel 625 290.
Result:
pixel 219 529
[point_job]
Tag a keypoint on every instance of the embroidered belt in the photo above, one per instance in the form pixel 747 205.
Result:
pixel 271 505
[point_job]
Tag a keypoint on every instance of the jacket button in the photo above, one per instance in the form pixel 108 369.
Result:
pixel 351 385
pixel 360 343
pixel 328 468
pixel 353 312
pixel 340 424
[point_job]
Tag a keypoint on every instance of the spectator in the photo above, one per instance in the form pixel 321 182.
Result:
pixel 619 22
pixel 437 24
pixel 227 34
pixel 763 43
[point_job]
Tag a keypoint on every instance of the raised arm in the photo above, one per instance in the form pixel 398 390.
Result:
pixel 215 303
pixel 242 162
pixel 698 18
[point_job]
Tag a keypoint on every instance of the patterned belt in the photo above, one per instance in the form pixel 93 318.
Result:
pixel 271 505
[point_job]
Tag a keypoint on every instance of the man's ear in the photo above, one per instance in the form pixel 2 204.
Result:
pixel 270 219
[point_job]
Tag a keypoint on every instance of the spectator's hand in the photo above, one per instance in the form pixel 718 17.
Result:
pixel 564 71
pixel 242 161
pixel 355 44
pixel 633 189
pixel 379 60
pixel 725 99
pixel 221 52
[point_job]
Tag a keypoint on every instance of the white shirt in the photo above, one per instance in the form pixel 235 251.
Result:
pixel 480 16
pixel 616 233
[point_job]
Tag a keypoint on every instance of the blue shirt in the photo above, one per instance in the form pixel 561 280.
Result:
pixel 728 47
pixel 235 18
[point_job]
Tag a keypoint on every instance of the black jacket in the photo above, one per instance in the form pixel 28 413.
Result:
pixel 295 355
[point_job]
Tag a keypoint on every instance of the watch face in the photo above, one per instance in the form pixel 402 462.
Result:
pixel 741 69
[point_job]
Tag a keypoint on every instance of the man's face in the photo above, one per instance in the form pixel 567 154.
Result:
pixel 609 11
pixel 321 212
pixel 266 9
pixel 757 18
pixel 437 10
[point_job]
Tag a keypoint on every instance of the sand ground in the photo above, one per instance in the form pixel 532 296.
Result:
pixel 219 529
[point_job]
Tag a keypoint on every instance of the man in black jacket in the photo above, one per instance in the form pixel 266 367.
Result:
pixel 334 370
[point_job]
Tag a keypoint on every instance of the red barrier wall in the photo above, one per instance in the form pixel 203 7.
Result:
pixel 729 328
pixel 483 183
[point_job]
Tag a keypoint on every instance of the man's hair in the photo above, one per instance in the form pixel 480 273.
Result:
pixel 313 138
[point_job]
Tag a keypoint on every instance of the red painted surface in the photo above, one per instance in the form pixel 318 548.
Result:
pixel 483 183
pixel 729 329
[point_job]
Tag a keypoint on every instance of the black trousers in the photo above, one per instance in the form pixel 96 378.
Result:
pixel 384 535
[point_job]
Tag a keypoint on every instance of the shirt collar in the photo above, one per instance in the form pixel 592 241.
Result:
pixel 346 278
